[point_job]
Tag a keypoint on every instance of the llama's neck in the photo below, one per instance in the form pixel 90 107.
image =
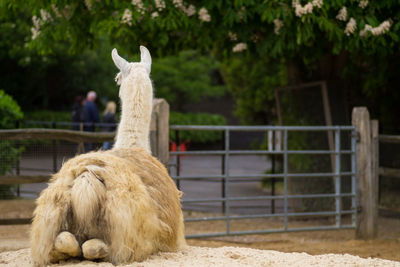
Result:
pixel 136 95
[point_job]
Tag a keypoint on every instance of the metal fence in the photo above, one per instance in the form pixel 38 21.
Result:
pixel 341 154
pixel 337 154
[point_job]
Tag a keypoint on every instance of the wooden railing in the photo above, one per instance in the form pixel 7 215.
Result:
pixel 384 171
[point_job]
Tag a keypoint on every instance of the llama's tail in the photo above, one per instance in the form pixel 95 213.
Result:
pixel 87 194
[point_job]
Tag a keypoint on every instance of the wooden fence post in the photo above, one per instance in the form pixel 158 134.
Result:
pixel 159 130
pixel 367 173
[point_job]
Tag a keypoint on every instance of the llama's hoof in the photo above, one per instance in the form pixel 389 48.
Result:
pixel 94 249
pixel 56 256
pixel 66 243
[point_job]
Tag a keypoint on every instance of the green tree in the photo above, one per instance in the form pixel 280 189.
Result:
pixel 187 77
pixel 253 88
pixel 339 41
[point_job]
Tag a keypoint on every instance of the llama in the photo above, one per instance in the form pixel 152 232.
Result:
pixel 118 205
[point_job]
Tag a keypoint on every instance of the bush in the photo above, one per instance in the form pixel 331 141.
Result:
pixel 178 118
pixel 48 115
pixel 10 112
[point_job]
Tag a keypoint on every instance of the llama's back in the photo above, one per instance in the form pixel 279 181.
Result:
pixel 161 189
pixel 124 197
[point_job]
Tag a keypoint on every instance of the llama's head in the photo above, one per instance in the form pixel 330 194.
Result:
pixel 126 68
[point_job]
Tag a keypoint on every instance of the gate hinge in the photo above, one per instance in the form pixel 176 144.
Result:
pixel 356 135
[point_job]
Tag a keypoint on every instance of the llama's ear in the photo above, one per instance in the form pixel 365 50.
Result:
pixel 121 63
pixel 145 57
pixel 118 78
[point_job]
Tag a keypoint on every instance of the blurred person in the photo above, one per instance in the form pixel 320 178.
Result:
pixel 91 115
pixel 78 113
pixel 109 117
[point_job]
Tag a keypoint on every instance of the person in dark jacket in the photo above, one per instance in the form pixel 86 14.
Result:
pixel 109 117
pixel 78 114
pixel 91 112
pixel 91 115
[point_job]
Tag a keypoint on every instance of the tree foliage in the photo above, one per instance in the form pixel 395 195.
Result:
pixel 252 83
pixel 187 77
pixel 337 40
pixel 275 28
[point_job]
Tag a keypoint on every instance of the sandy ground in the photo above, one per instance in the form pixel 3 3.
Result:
pixel 319 248
pixel 223 256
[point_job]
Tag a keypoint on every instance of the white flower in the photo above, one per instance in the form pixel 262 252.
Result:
pixel 381 29
pixel 160 4
pixel 36 27
pixel 190 10
pixel 232 36
pixel 45 15
pixel 300 10
pixel 154 14
pixel 278 25
pixel 177 3
pixel 317 3
pixel 363 4
pixel 127 17
pixel 351 26
pixel 139 5
pixel 307 8
pixel 367 27
pixel 203 15
pixel 342 15
pixel 35 33
pixel 66 11
pixel 36 22
pixel 239 47
pixel 88 4
pixel 55 10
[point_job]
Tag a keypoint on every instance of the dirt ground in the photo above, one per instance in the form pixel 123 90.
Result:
pixel 386 246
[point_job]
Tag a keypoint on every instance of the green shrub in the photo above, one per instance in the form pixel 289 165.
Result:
pixel 178 118
pixel 48 115
pixel 10 112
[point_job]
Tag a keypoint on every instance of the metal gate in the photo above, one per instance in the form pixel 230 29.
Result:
pixel 338 136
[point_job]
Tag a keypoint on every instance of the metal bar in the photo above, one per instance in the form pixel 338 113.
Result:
pixel 226 179
pixel 223 193
pixel 354 176
pixel 54 146
pixel 17 163
pixel 178 159
pixel 259 216
pixel 279 175
pixel 260 128
pixel 316 228
pixel 285 177
pixel 273 148
pixel 257 152
pixel 267 197
pixel 337 179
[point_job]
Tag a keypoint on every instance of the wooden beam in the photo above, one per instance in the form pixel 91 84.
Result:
pixel 328 121
pixel 160 121
pixel 389 172
pixel 393 139
pixel 55 134
pixel 15 221
pixel 24 179
pixel 366 178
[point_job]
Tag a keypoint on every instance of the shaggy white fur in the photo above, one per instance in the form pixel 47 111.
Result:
pixel 118 205
pixel 136 95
